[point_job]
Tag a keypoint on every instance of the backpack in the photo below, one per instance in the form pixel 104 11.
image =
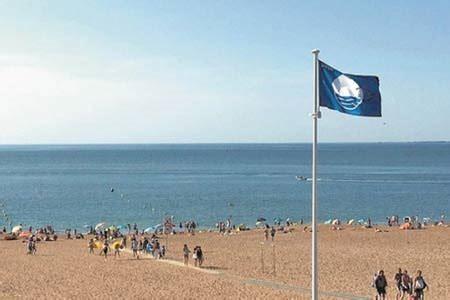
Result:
pixel 420 284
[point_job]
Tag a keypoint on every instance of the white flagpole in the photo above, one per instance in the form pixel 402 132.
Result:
pixel 315 116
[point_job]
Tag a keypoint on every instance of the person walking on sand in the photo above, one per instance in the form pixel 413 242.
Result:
pixel 117 247
pixel 91 246
pixel 198 256
pixel 419 286
pixel 186 252
pixel 134 248
pixel 105 249
pixel 272 233
pixel 398 283
pixel 406 285
pixel 380 284
pixel 266 233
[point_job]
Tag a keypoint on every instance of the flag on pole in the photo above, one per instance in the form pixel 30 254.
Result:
pixel 351 94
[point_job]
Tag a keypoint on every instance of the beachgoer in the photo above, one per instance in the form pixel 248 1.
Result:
pixel 134 248
pixel 186 252
pixel 406 284
pixel 31 245
pixel 419 286
pixel 163 251
pixel 198 256
pixel 380 284
pixel 117 247
pixel 398 283
pixel 105 249
pixel 266 233
pixel 91 246
pixel 194 256
pixel 272 233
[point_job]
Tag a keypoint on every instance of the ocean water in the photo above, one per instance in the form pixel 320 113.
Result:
pixel 70 186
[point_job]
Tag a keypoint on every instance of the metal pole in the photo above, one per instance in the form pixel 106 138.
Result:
pixel 315 117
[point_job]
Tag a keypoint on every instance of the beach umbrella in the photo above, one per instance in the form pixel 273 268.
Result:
pixel 361 221
pixel 277 220
pixel 149 229
pixel 120 227
pixel 336 222
pixel 328 222
pixel 259 224
pixel 100 226
pixel 16 229
pixel 112 228
pixel 261 219
pixel 351 222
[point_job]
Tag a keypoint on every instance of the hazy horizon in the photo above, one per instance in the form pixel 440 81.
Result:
pixel 216 72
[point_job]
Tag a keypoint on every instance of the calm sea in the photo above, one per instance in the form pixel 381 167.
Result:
pixel 70 186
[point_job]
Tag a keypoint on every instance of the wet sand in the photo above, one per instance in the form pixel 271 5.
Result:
pixel 241 265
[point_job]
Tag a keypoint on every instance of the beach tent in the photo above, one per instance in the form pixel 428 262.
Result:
pixel 261 219
pixel 149 229
pixel 328 222
pixel 100 226
pixel 351 222
pixel 16 229
pixel 336 222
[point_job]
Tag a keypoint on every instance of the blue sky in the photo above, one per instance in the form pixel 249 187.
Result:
pixel 216 71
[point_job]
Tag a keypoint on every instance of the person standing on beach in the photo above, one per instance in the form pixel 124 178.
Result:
pixel 272 233
pixel 186 252
pixel 380 284
pixel 91 246
pixel 406 284
pixel 105 249
pixel 116 247
pixel 266 233
pixel 134 248
pixel 398 283
pixel 419 286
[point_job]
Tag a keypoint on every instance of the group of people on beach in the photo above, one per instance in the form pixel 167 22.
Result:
pixel 197 255
pixel 407 287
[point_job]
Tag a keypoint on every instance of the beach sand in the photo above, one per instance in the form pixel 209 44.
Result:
pixel 233 266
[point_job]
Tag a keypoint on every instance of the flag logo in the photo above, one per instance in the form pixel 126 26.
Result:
pixel 348 92
pixel 357 95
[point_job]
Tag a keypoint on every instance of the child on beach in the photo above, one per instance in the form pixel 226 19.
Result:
pixel 186 252
pixel 380 283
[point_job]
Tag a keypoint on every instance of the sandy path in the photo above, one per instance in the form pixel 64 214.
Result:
pixel 233 269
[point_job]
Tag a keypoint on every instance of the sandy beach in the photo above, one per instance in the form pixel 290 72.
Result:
pixel 233 266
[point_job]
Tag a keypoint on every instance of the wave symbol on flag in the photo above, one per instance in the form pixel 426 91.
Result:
pixel 348 92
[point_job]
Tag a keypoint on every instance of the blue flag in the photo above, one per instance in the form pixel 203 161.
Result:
pixel 351 94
